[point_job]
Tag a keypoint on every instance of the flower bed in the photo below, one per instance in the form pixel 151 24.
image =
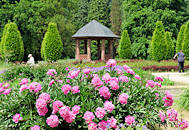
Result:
pixel 163 68
pixel 86 99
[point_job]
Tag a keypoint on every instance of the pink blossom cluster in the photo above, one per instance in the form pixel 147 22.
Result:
pixel 119 71
pixel 100 112
pixel 130 71
pixel 106 77
pixel 56 106
pixel 17 117
pixel 168 99
pixel 123 98
pixel 35 127
pixel 125 67
pixel 113 122
pixel 102 125
pixel 88 116
pixel 34 86
pixel 172 115
pixel 111 63
pixel 129 120
pixel 51 82
pixel 73 74
pixel 51 72
pixel 162 116
pixel 124 79
pixel 108 106
pixel 158 84
pixel 137 77
pixel 114 84
pixel 67 69
pixel 86 71
pixel 53 121
pixel 150 83
pixel 66 89
pixel 92 126
pixel 4 89
pixel 45 96
pixel 23 87
pixel 96 81
pixel 159 79
pixel 104 91
pixel 183 124
pixel 24 81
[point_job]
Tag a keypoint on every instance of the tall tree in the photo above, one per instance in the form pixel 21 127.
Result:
pixel 170 45
pixel 185 47
pixel 158 47
pixel 180 38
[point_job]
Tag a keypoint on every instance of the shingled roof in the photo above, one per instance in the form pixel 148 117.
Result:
pixel 94 29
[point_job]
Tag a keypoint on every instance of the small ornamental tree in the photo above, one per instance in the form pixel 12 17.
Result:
pixel 170 45
pixel 180 38
pixel 124 49
pixel 52 47
pixel 158 47
pixel 12 44
pixel 185 46
pixel 3 39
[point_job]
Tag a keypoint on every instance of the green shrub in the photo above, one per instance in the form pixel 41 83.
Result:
pixel 52 47
pixel 124 49
pixel 12 44
pixel 158 47
pixel 170 45
pixel 180 38
pixel 185 46
pixel 183 100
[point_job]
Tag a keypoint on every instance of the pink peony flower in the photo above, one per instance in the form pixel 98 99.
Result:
pixel 115 79
pixel 86 71
pixel 51 72
pixel 51 83
pixel 1 85
pixel 130 71
pixel 114 85
pixel 6 85
pixel 17 117
pixel 106 77
pixel 76 109
pixel 137 77
pixel 123 98
pixel 159 79
pixel 73 74
pixel 112 121
pixel 150 83
pixel 129 120
pixel 23 87
pixel 52 121
pixel 7 91
pixel 36 87
pixel 24 81
pixel 124 79
pixel 70 117
pixel 125 67
pixel 111 63
pixel 2 89
pixel 35 127
pixel 75 89
pixel 172 115
pixel 108 106
pixel 88 116
pixel 64 111
pixel 45 96
pixel 92 126
pixel 60 81
pixel 168 99
pixel 157 95
pixel 96 81
pixel 104 91
pixel 42 111
pixel 41 103
pixel 56 106
pixel 158 84
pixel 162 116
pixel 66 89
pixel 102 125
pixel 183 125
pixel 119 71
pixel 67 69
pixel 100 112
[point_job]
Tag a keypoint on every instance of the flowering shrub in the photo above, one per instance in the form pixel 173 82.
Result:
pixel 88 100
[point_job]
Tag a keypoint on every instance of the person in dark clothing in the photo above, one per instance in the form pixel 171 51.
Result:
pixel 180 60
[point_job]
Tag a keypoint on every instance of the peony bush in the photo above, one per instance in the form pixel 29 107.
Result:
pixel 87 99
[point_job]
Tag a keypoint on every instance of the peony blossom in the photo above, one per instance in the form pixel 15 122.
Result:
pixel 96 81
pixel 129 120
pixel 64 111
pixel 66 89
pixel 36 87
pixel 104 91
pixel 124 79
pixel 51 83
pixel 17 117
pixel 23 87
pixel 106 77
pixel 150 83
pixel 168 99
pixel 108 106
pixel 162 116
pixel 24 81
pixel 6 85
pixel 73 74
pixel 42 111
pixel 7 91
pixel 112 121
pixel 119 71
pixel 111 63
pixel 137 77
pixel 35 127
pixel 41 103
pixel 45 96
pixel 130 71
pixel 172 115
pixel 125 67
pixel 52 121
pixel 51 72
pixel 114 85
pixel 183 124
pixel 86 71
pixel 159 79
pixel 92 126
pixel 76 109
pixel 123 98
pixel 102 125
pixel 100 112
pixel 56 106
pixel 88 116
pixel 75 90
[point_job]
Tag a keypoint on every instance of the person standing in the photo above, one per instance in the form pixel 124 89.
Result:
pixel 180 60
pixel 31 60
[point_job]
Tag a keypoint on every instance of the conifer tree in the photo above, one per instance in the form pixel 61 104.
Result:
pixel 170 45
pixel 180 38
pixel 2 40
pixel 185 47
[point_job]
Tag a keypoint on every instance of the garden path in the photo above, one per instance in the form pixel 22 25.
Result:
pixel 181 82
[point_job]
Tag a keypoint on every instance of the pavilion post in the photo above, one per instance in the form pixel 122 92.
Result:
pixel 77 49
pixel 111 48
pixel 98 47
pixel 89 50
pixel 85 46
pixel 103 50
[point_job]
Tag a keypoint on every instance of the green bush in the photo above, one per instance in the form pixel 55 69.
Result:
pixel 170 45
pixel 180 38
pixel 124 49
pixel 52 47
pixel 183 100
pixel 158 47
pixel 12 45
pixel 185 46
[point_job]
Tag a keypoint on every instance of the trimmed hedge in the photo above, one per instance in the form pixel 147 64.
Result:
pixel 185 46
pixel 124 49
pixel 170 45
pixel 52 47
pixel 12 47
pixel 163 68
pixel 158 47
pixel 180 38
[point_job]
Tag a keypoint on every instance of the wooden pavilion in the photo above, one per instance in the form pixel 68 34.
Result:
pixel 94 31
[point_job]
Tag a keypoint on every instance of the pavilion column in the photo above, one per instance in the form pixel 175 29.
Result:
pixel 85 46
pixel 77 49
pixel 111 49
pixel 103 50
pixel 89 49
pixel 98 47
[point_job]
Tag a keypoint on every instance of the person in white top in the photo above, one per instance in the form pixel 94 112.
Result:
pixel 31 60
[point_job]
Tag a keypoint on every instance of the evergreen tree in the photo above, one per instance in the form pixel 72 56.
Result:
pixel 13 47
pixel 124 49
pixel 99 11
pixel 170 45
pixel 180 38
pixel 185 47
pixel 3 40
pixel 158 47
pixel 52 47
